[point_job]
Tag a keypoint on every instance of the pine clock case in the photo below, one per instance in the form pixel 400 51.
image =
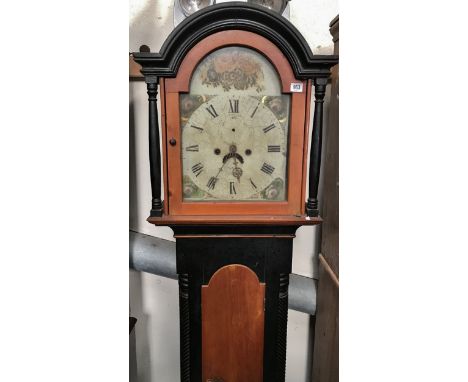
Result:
pixel 235 243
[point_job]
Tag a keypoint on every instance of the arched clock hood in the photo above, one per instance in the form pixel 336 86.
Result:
pixel 236 16
pixel 276 32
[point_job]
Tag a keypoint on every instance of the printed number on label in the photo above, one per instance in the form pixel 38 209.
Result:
pixel 296 87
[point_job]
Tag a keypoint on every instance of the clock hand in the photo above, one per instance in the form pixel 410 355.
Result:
pixel 233 155
pixel 221 168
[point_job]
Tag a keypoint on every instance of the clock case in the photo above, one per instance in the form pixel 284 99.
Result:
pixel 220 239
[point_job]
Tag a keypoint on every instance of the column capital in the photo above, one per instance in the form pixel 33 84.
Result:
pixel 320 81
pixel 151 79
pixel 152 90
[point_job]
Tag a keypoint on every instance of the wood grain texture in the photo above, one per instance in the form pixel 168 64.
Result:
pixel 328 269
pixel 233 326
pixel 325 359
pixel 330 210
pixel 265 220
pixel 134 69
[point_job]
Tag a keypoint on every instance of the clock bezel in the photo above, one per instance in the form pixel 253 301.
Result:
pixel 174 205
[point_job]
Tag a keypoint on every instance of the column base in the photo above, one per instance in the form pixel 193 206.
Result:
pixel 312 212
pixel 156 208
pixel 311 207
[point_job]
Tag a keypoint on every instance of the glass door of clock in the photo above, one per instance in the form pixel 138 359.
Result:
pixel 234 129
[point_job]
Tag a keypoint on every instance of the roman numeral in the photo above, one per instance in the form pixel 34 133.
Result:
pixel 197 169
pixel 212 183
pixel 267 169
pixel 252 115
pixel 273 148
pixel 196 127
pixel 194 148
pixel 232 188
pixel 268 128
pixel 212 111
pixel 234 105
pixel 253 184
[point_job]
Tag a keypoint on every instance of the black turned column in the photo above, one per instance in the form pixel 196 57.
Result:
pixel 184 314
pixel 316 148
pixel 154 151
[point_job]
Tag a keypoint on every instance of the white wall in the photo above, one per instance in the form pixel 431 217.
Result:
pixel 153 299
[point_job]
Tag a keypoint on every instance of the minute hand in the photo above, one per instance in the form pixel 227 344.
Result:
pixel 221 168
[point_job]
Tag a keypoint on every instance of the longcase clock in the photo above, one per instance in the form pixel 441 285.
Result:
pixel 236 84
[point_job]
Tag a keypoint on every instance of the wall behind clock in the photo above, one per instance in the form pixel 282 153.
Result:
pixel 154 299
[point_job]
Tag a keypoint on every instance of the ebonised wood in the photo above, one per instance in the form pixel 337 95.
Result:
pixel 154 151
pixel 316 148
pixel 236 16
pixel 198 260
pixel 240 16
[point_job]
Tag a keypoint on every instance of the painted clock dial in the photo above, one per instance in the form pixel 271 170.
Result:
pixel 234 142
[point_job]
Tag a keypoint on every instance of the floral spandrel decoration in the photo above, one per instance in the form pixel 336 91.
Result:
pixel 275 191
pixel 232 69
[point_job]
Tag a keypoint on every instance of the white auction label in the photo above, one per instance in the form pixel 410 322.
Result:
pixel 296 87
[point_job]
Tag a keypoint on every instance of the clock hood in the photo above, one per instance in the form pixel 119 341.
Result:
pixel 235 16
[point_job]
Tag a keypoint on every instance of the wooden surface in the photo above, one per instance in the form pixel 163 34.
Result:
pixel 297 161
pixel 305 174
pixel 229 236
pixel 134 69
pixel 325 358
pixel 330 211
pixel 162 88
pixel 329 271
pixel 233 326
pixel 167 220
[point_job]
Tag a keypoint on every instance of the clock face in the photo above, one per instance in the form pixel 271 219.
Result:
pixel 234 142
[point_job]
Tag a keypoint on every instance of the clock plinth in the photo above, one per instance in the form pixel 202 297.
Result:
pixel 236 86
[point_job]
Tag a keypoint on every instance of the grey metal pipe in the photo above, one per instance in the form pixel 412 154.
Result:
pixel 157 256
pixel 152 255
pixel 302 294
